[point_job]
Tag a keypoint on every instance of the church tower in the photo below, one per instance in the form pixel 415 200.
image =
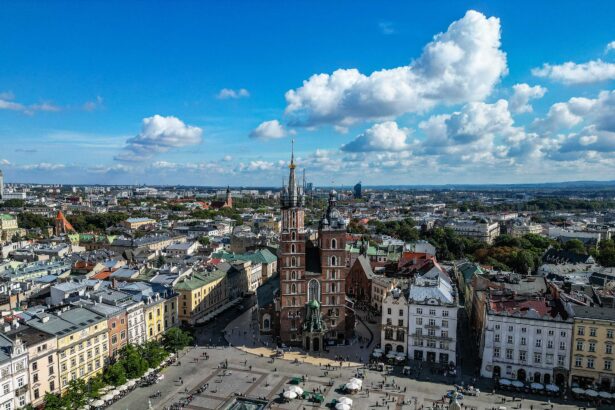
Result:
pixel 332 245
pixel 228 202
pixel 291 260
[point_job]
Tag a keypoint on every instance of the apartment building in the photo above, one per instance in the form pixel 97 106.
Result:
pixel 82 340
pixel 394 324
pixel 14 381
pixel 593 341
pixel 200 295
pixel 481 230
pixel 42 361
pixel 527 338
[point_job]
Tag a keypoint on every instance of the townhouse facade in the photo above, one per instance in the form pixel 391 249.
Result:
pixel 394 324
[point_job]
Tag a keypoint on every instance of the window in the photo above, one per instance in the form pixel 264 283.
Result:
pixel 579 345
pixel 333 244
pixel 401 312
pixel 592 331
pixel 538 342
pixel 496 337
pixel 590 363
pixel 608 348
pixel 609 333
pixel 445 313
pixel 419 311
pixel 35 378
pixel 551 333
pixel 496 352
pixel 523 329
pixel 560 360
pixel 36 394
pixel 608 365
pixel 444 323
pixel 510 328
pixel 522 356
pixel 549 344
pixel 432 312
pixel 388 311
pixel 537 357
pixel 497 327
pixel 580 331
pixel 509 354
pixel 562 345
pixel 419 321
pixel 592 347
pixel 549 358
pixel 34 366
pixel 52 385
pixel 400 322
pixel 523 341
pixel 432 322
pixel 578 361
pixel 538 331
pixel 510 339
pixel 6 388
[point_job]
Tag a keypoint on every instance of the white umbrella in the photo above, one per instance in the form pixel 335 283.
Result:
pixel 400 358
pixel 391 355
pixel 377 354
pixel 517 383
pixel 98 403
pixel 537 386
pixel 289 395
pixel 352 386
pixel 378 350
pixel 357 381
pixel 345 400
pixel 342 406
pixel 578 390
pixel 605 395
pixel 591 393
pixel 552 387
pixel 295 389
pixel 505 382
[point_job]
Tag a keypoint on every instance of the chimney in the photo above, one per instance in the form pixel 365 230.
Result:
pixel 45 319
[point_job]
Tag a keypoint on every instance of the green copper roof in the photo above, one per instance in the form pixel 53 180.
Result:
pixel 314 304
pixel 7 217
pixel 199 280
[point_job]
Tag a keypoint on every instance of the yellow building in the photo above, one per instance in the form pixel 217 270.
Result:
pixel 154 317
pixel 82 342
pixel 201 294
pixel 171 311
pixel 593 344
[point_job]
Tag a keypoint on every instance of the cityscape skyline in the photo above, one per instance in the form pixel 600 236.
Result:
pixel 465 94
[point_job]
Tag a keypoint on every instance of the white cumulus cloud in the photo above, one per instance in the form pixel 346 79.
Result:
pixel 269 130
pixel 522 94
pixel 610 47
pixel 385 136
pixel 460 65
pixel 577 73
pixel 159 134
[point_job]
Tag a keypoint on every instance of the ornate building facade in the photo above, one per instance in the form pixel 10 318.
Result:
pixel 312 298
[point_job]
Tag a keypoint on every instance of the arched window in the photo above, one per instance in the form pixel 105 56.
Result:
pixel 333 261
pixel 294 302
pixel 333 243
pixel 293 261
pixel 293 288
pixel 293 235
pixel 292 248
pixel 333 288
pixel 314 290
pixel 293 275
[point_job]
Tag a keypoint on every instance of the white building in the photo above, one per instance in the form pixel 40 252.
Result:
pixel 483 231
pixel 394 324
pixel 432 318
pixel 527 338
pixel 14 392
pixel 136 324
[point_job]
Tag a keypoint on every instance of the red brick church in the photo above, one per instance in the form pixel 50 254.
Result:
pixel 312 305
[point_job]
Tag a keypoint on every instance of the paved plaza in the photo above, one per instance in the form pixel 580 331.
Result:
pixel 261 377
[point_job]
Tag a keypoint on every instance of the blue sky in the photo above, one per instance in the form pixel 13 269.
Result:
pixel 132 92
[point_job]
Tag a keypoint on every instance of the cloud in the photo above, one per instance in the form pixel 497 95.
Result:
pixel 159 134
pixel 7 103
pixel 43 166
pixel 5 162
pixel 385 136
pixel 48 107
pixel 522 94
pixel 94 105
pixel 386 27
pixel 227 93
pixel 269 130
pixel 227 158
pixel 26 150
pixel 599 111
pixel 460 65
pixel 610 47
pixel 572 73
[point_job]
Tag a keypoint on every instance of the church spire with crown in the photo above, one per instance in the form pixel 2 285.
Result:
pixel 292 195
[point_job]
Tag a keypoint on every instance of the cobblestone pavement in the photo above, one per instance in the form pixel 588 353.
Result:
pixel 256 376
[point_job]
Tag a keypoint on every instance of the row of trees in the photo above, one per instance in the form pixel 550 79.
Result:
pixel 131 363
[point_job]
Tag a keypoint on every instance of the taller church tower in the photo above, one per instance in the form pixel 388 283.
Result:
pixel 291 260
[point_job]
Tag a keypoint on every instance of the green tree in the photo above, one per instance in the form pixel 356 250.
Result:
pixel 115 374
pixel 176 339
pixel 133 361
pixel 153 353
pixel 606 253
pixel 204 240
pixel 54 402
pixel 76 395
pixel 576 246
